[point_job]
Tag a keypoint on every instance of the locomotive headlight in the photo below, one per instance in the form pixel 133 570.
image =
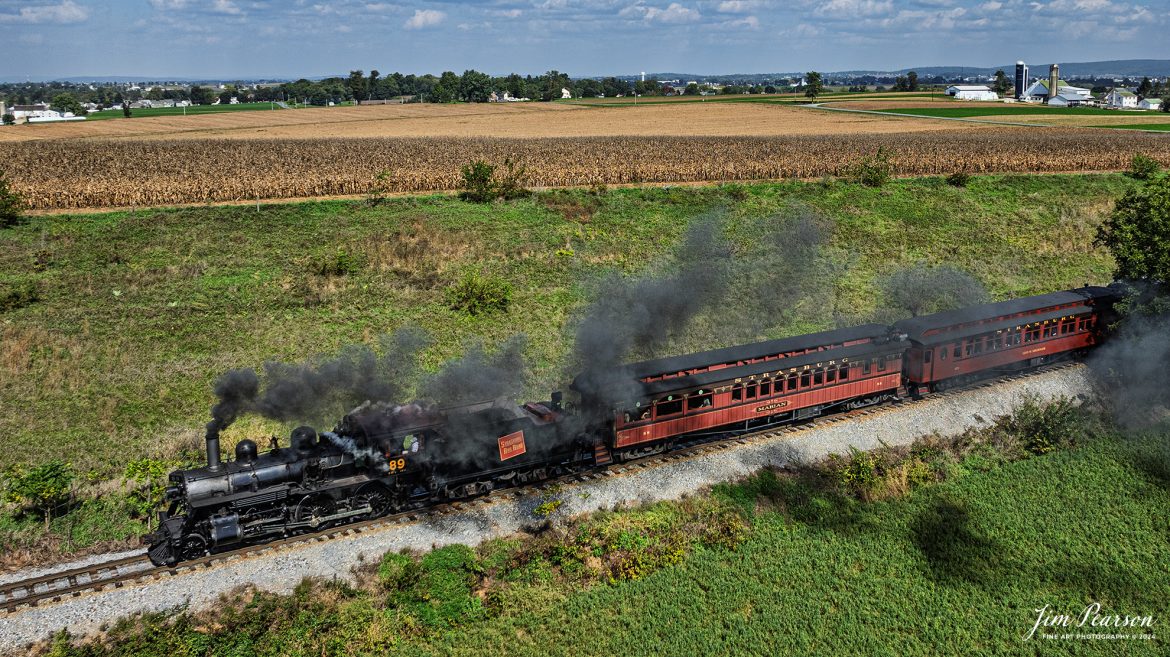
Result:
pixel 172 493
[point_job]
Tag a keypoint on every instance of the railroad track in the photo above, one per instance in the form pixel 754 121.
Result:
pixel 18 596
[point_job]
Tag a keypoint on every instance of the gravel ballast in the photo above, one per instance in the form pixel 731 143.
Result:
pixel 281 570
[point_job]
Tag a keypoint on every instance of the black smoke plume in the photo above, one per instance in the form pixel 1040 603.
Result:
pixel 637 317
pixel 772 283
pixel 316 389
pixel 921 289
pixel 1132 364
pixel 480 376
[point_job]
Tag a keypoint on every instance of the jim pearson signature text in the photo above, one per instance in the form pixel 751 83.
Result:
pixel 1090 617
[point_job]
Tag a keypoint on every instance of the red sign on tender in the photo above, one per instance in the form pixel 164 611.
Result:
pixel 512 445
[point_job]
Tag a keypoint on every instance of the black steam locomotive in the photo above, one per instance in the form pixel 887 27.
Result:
pixel 383 458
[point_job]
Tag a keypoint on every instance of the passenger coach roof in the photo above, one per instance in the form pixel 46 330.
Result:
pixel 707 379
pixel 916 328
pixel 756 350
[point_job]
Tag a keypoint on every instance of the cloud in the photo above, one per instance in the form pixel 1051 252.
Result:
pixel 508 13
pixel 747 22
pixel 226 7
pixel 66 12
pixel 673 14
pixel 738 6
pixel 854 8
pixel 424 18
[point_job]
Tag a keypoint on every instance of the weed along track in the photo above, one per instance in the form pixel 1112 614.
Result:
pixel 86 597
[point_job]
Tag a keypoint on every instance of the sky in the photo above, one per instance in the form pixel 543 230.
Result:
pixel 229 39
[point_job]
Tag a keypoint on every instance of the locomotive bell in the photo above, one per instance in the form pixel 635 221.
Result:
pixel 246 451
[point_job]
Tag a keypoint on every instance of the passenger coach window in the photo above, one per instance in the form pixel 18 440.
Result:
pixel 698 400
pixel 881 364
pixel 805 379
pixel 669 407
pixel 791 382
pixel 927 356
pixel 751 391
pixel 844 375
pixel 865 368
pixel 737 392
pixel 831 375
pixel 958 351
pixel 818 377
pixel 765 388
pixel 942 353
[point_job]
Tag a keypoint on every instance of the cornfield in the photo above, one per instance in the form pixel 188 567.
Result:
pixel 85 174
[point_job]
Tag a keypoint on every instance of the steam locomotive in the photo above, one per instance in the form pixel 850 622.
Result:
pixel 383 458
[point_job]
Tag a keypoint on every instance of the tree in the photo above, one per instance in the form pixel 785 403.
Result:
pixel 911 81
pixel 9 119
pixel 11 205
pixel 901 83
pixel 814 85
pixel 1002 86
pixel 475 87
pixel 1137 232
pixel 691 90
pixel 126 112
pixel 44 487
pixel 357 85
pixel 1145 88
pixel 67 104
pixel 200 95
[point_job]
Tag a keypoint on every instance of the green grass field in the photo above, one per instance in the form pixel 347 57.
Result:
pixel 1160 127
pixel 115 326
pixel 958 567
pixel 116 113
pixel 991 109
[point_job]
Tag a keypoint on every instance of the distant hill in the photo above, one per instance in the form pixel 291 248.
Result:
pixel 1112 68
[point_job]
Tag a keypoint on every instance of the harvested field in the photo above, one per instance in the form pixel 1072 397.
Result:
pixel 82 174
pixel 716 119
pixel 1037 114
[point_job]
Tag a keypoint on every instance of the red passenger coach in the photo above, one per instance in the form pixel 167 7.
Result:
pixel 750 386
pixel 951 348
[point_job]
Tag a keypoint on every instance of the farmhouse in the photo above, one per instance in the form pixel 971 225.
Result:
pixel 1121 99
pixel 1150 104
pixel 972 92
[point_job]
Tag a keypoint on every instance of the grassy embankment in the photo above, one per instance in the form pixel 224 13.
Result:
pixel 778 564
pixel 116 325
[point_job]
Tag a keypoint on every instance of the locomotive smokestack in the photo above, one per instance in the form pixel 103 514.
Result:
pixel 213 445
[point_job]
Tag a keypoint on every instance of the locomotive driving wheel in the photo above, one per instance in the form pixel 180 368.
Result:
pixel 312 508
pixel 192 547
pixel 376 496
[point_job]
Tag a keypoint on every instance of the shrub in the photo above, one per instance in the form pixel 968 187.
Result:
pixel 481 184
pixel 341 263
pixel 17 295
pixel 44 487
pixel 9 119
pixel 150 479
pixel 11 204
pixel 1143 167
pixel 872 170
pixel 478 186
pixel 478 294
pixel 1041 428
pixel 959 179
pixel 379 187
pixel 511 181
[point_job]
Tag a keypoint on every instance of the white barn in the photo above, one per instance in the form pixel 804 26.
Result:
pixel 972 92
pixel 1150 104
pixel 1121 99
